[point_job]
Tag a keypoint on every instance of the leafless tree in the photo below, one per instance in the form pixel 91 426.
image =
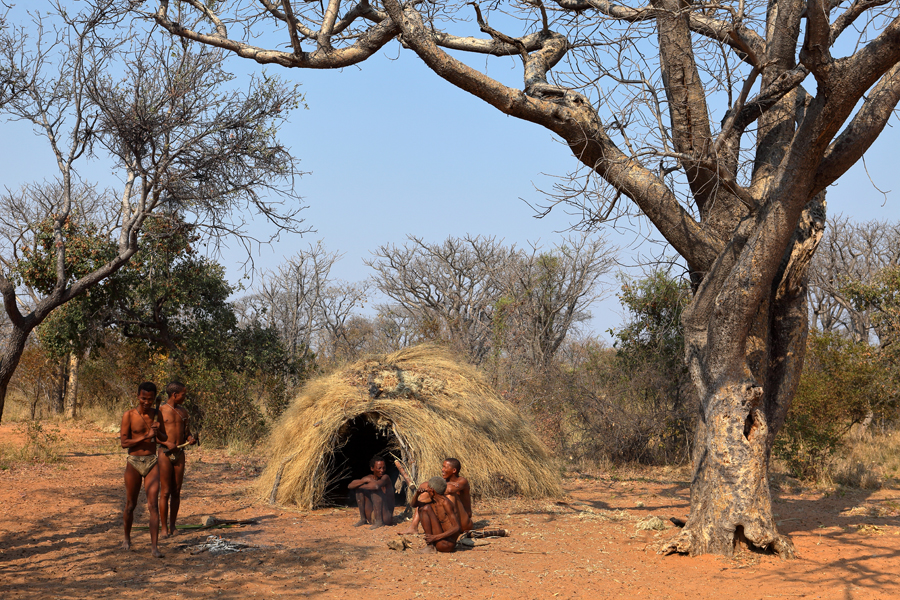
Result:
pixel 849 251
pixel 182 144
pixel 548 293
pixel 449 289
pixel 699 115
pixel 304 304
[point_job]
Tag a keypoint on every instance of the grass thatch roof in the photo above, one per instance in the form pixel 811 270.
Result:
pixel 435 407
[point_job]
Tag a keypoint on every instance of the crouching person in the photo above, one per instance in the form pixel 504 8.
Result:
pixel 438 515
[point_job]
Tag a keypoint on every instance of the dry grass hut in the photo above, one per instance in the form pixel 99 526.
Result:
pixel 418 405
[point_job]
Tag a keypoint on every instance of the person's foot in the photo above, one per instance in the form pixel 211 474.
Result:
pixel 408 531
pixel 126 545
pixel 377 525
pixel 429 549
pixel 360 523
pixel 156 553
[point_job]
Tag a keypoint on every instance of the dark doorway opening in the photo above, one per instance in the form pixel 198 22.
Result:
pixel 359 440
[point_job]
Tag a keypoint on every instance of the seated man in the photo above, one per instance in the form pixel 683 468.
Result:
pixel 439 516
pixel 458 491
pixel 374 495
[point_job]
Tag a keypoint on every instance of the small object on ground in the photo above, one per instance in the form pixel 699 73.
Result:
pixel 677 522
pixel 399 544
pixel 468 542
pixel 216 546
pixel 209 522
pixel 486 533
pixel 653 523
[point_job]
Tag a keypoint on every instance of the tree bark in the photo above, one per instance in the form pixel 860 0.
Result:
pixel 74 362
pixel 742 411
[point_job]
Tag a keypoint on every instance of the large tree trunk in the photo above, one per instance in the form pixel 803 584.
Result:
pixel 744 407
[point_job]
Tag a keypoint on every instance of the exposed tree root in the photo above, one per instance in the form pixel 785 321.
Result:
pixel 689 543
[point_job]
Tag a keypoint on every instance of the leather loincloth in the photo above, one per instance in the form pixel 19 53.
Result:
pixel 142 464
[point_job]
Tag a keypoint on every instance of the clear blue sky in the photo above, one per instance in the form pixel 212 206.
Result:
pixel 394 150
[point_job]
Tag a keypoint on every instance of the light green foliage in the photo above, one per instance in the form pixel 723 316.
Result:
pixel 653 332
pixel 881 296
pixel 842 382
pixel 634 403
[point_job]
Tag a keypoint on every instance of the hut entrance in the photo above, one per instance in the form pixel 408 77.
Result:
pixel 359 441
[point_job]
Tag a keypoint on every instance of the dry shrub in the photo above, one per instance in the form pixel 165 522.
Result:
pixel 865 461
pixel 432 404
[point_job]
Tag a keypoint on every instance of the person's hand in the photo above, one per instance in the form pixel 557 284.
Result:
pixel 191 440
pixel 430 539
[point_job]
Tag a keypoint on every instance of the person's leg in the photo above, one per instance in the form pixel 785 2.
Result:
pixel 151 486
pixel 377 509
pixel 362 501
pixel 178 469
pixel 448 545
pixel 166 483
pixel 387 507
pixel 132 489
pixel 430 524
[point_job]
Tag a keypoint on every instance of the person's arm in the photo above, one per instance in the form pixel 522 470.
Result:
pixel 365 483
pixel 415 503
pixel 125 433
pixel 384 483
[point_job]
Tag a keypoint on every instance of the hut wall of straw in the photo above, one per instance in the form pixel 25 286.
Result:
pixel 434 405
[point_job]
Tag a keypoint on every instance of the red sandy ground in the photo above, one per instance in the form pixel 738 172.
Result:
pixel 60 536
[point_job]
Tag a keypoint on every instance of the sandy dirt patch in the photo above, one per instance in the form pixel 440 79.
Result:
pixel 61 533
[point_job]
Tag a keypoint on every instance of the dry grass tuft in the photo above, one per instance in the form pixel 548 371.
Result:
pixel 433 405
pixel 867 462
pixel 651 524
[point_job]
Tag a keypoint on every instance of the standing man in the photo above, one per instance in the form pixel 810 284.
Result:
pixel 174 419
pixel 139 433
pixel 374 495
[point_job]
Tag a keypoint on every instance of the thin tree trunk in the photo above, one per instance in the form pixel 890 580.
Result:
pixel 58 390
pixel 72 387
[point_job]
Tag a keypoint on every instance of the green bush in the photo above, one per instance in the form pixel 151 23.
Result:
pixel 842 383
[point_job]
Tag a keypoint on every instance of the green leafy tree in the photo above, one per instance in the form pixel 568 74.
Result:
pixel 179 135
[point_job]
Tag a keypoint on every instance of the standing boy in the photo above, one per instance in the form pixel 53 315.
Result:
pixel 139 433
pixel 175 419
